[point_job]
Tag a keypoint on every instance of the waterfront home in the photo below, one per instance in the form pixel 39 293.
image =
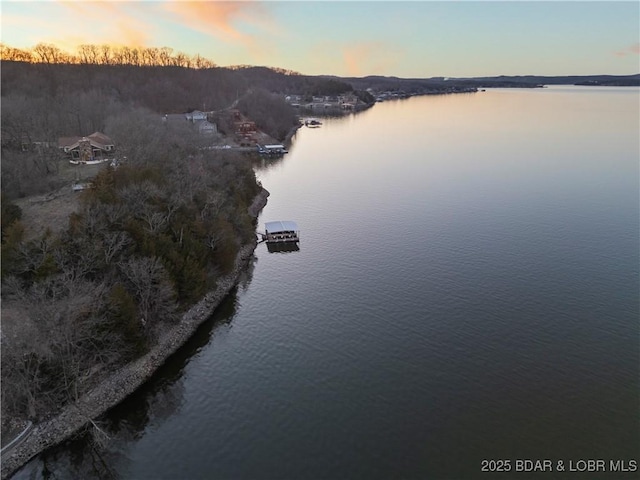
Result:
pixel 92 148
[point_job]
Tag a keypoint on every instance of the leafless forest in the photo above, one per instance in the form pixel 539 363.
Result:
pixel 148 240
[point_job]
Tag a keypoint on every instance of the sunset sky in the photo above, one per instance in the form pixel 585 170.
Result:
pixel 357 38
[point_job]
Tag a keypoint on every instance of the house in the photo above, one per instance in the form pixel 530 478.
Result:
pixel 195 116
pixel 347 98
pixel 206 128
pixel 95 147
pixel 246 126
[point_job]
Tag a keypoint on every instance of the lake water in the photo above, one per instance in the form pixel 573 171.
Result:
pixel 466 289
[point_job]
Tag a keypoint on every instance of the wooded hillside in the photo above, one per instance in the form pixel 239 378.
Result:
pixel 150 237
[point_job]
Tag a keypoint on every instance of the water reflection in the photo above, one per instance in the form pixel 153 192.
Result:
pixel 85 459
pixel 336 113
pixel 266 163
pixel 284 247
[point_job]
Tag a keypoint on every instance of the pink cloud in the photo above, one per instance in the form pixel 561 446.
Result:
pixel 632 50
pixel 369 58
pixel 223 20
pixel 354 59
pixel 123 28
pixel 217 18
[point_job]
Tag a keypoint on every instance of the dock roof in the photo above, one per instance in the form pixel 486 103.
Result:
pixel 281 226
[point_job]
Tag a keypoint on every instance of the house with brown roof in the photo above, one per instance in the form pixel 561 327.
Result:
pixel 93 148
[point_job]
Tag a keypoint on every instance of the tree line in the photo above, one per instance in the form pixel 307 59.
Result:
pixel 90 54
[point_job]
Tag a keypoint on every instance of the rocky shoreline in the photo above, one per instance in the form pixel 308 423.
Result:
pixel 125 381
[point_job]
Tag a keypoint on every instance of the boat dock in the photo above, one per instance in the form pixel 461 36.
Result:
pixel 271 149
pixel 281 232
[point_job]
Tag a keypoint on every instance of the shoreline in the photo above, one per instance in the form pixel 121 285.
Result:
pixel 289 137
pixel 118 386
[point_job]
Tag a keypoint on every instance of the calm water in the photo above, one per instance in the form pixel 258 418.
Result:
pixel 466 288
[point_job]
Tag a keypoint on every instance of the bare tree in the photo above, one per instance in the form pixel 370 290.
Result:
pixel 22 376
pixel 49 355
pixel 154 220
pixel 213 238
pixel 212 206
pixel 83 54
pixel 105 57
pixel 48 53
pixel 14 54
pixel 117 56
pixel 135 57
pixel 164 56
pixel 139 135
pixel 114 243
pixel 135 196
pixel 80 262
pixel 150 56
pixel 113 214
pixel 35 254
pixel 151 288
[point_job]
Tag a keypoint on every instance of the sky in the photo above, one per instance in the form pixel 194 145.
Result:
pixel 412 39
